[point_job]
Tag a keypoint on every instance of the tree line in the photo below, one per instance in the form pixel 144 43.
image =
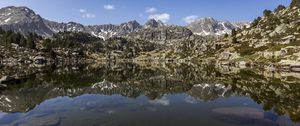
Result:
pixel 9 37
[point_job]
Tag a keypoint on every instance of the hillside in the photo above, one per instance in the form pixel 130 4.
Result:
pixel 271 39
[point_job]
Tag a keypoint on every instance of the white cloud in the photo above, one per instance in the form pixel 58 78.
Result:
pixel 190 19
pixel 88 15
pixel 109 7
pixel 151 10
pixel 163 101
pixel 82 10
pixel 164 17
pixel 190 100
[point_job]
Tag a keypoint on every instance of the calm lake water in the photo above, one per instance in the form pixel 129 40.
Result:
pixel 150 95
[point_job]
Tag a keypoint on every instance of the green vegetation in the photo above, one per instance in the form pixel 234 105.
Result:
pixel 9 37
pixel 30 42
pixel 295 3
pixel 244 49
pixel 70 40
pixel 281 28
pixel 256 21
pixel 226 35
pixel 233 33
pixel 267 13
pixel 279 8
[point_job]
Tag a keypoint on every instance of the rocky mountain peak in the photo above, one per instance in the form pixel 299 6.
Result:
pixel 210 26
pixel 23 20
pixel 152 23
pixel 130 26
pixel 207 20
pixel 133 22
pixel 13 15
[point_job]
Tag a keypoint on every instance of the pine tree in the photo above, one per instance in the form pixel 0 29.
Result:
pixel 47 44
pixel 30 41
pixel 233 33
pixel 16 38
pixel 279 8
pixel 52 54
pixel 7 37
pixel 1 31
pixel 226 35
pixel 22 41
pixel 256 21
pixel 234 40
pixel 267 13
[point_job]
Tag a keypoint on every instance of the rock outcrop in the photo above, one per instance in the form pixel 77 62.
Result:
pixel 271 39
pixel 162 34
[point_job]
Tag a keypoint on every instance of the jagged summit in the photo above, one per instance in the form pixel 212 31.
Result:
pixel 130 26
pixel 210 26
pixel 152 23
pixel 24 20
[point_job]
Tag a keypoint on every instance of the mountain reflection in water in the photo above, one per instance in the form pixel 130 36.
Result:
pixel 144 94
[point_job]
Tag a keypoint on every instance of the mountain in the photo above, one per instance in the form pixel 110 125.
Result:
pixel 23 20
pixel 211 26
pixel 152 23
pixel 101 31
pixel 162 34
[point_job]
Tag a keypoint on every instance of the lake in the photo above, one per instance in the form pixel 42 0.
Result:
pixel 128 94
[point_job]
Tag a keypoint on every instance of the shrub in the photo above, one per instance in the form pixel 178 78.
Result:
pixel 233 33
pixel 267 13
pixel 279 8
pixel 256 21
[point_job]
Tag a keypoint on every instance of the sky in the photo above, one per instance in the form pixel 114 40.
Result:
pixel 179 12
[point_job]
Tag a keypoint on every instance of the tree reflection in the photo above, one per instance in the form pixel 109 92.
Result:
pixel 279 92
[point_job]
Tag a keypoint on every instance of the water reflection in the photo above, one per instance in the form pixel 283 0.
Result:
pixel 149 94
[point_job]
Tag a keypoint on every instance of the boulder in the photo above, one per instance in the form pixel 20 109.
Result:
pixel 5 79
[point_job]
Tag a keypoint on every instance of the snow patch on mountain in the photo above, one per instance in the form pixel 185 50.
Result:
pixel 210 26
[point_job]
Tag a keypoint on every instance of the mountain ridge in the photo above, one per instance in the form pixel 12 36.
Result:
pixel 210 26
pixel 23 19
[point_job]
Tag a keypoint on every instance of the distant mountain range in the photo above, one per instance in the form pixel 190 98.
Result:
pixel 101 31
pixel 25 20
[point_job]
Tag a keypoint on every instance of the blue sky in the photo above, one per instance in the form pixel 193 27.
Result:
pixel 170 11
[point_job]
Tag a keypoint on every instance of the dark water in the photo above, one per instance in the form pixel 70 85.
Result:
pixel 149 95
